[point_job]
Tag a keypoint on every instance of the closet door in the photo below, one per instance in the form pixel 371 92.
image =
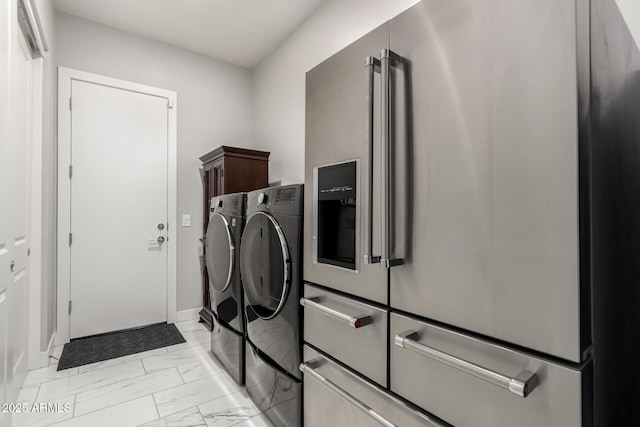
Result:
pixel 16 195
pixel 5 256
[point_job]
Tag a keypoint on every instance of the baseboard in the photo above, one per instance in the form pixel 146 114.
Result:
pixel 186 315
pixel 44 355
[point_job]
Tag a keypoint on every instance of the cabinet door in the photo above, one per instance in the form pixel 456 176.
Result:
pixel 216 183
pixel 488 136
pixel 206 198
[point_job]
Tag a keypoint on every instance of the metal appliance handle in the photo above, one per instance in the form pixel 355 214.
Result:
pixel 353 321
pixel 521 385
pixel 232 250
pixel 387 59
pixel 372 65
pixel 307 369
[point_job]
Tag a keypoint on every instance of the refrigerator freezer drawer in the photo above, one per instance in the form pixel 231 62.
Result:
pixel 350 331
pixel 470 382
pixel 333 396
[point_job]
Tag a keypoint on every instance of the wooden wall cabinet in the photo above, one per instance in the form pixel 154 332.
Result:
pixel 228 170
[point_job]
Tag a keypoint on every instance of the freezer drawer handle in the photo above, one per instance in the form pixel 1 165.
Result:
pixel 522 384
pixel 353 321
pixel 307 369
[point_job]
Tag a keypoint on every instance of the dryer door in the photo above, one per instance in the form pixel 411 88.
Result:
pixel 220 252
pixel 265 265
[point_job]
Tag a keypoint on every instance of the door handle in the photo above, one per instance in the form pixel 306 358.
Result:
pixel 356 322
pixel 372 65
pixel 387 59
pixel 522 384
pixel 308 369
pixel 160 239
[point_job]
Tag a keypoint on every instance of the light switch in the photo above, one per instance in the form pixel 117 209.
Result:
pixel 186 220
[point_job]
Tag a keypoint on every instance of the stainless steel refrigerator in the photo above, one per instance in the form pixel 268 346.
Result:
pixel 461 160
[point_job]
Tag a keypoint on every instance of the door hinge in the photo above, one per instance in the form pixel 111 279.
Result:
pixel 69 306
pixel 169 104
pixel 221 173
pixel 70 104
pixel 70 171
pixel 70 238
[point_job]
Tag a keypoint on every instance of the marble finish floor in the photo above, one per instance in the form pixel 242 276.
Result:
pixel 180 385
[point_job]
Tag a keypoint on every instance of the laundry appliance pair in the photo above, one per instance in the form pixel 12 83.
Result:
pixel 254 255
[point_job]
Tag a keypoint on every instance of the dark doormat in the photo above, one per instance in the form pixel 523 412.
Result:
pixel 83 351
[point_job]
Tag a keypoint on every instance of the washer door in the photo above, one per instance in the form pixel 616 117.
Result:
pixel 220 252
pixel 265 265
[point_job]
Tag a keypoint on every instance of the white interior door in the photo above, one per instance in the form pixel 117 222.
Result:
pixel 5 239
pixel 118 268
pixel 19 193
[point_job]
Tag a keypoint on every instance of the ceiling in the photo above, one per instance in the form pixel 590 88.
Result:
pixel 242 32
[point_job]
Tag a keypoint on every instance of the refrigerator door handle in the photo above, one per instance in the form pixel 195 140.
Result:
pixel 355 322
pixel 521 385
pixel 308 369
pixel 372 65
pixel 387 59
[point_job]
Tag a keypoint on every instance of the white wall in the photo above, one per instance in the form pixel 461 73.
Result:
pixel 214 108
pixel 279 80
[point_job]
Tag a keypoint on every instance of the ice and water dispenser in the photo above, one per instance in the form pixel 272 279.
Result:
pixel 336 214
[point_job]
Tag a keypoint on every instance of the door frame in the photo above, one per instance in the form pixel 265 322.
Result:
pixel 36 358
pixel 65 78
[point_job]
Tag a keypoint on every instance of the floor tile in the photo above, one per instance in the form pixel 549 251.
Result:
pixel 49 373
pixel 201 337
pixel 28 394
pixel 194 371
pixel 62 409
pixel 228 410
pixel 175 358
pixel 120 360
pixel 187 418
pixel 57 351
pixel 188 344
pixel 194 393
pixel 191 326
pixel 180 385
pixel 257 421
pixel 89 380
pixel 122 391
pixel 127 414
